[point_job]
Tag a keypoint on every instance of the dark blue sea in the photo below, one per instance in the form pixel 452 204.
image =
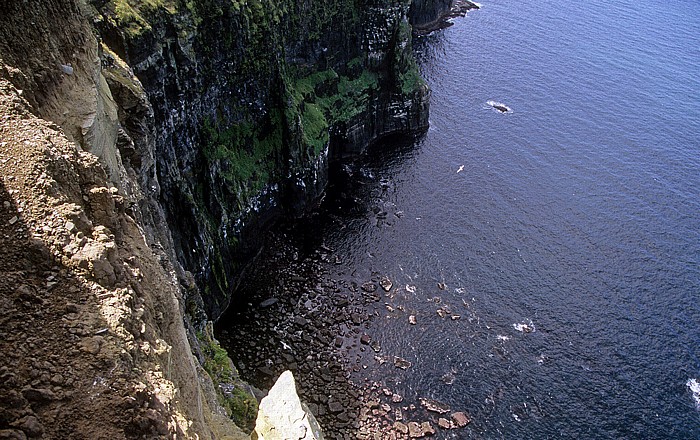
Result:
pixel 565 233
pixel 550 255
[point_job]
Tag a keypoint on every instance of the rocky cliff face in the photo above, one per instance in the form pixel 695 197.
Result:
pixel 146 146
pixel 251 100
pixel 424 12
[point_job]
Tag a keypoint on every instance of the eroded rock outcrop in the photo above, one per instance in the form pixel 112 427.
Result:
pixel 283 416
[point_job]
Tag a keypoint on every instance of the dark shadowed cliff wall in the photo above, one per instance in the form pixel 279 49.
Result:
pixel 250 100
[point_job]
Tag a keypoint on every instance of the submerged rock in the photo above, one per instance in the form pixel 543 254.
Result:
pixel 401 363
pixel 434 406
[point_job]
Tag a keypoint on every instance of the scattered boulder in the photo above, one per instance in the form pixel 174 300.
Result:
pixel 444 423
pixel 434 406
pixel 369 287
pixel 402 363
pixel 427 428
pixel 414 430
pixel 461 419
pixel 268 302
pixel 401 427
pixel 386 284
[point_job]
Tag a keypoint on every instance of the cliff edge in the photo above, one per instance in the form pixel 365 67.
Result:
pixel 145 146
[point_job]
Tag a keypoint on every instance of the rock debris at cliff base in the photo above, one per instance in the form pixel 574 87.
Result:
pixel 317 327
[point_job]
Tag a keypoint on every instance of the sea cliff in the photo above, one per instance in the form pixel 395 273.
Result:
pixel 146 148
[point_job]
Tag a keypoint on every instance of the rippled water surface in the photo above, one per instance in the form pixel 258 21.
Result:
pixel 576 215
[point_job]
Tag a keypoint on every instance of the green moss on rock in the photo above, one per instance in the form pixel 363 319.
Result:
pixel 241 406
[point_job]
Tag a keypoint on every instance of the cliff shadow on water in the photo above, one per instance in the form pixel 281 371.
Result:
pixel 303 308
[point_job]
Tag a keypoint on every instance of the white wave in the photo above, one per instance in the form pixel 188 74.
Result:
pixel 503 338
pixel 694 386
pixel 525 327
pixel 410 288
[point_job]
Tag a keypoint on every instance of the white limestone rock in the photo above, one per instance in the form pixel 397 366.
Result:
pixel 282 416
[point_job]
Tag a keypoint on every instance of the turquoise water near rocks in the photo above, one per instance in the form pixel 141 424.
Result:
pixel 577 215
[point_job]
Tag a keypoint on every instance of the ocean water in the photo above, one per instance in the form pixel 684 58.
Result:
pixel 565 233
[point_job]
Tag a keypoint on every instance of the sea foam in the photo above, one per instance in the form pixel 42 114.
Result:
pixel 694 386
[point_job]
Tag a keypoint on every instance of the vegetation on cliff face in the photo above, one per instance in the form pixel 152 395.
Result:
pixel 254 97
pixel 234 395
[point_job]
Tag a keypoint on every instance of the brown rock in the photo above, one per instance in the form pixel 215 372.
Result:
pixel 369 287
pixel 414 430
pixel 38 394
pixel 444 423
pixel 31 426
pixel 461 419
pixel 427 428
pixel 401 427
pixel 12 434
pixel 401 363
pixel 434 406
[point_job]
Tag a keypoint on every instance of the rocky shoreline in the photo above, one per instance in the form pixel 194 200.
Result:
pixel 459 8
pixel 314 318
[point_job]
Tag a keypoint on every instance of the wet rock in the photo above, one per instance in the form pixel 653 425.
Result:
pixel 365 339
pixel 401 363
pixel 369 287
pixel 412 319
pixel 341 301
pixel 268 302
pixel 338 341
pixel 461 419
pixel 376 346
pixel 442 286
pixel 415 431
pixel 401 427
pixel 444 423
pixel 386 284
pixel 434 406
pixel 427 428
pixel 396 398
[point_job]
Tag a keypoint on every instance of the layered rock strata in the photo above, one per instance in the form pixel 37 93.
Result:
pixel 146 146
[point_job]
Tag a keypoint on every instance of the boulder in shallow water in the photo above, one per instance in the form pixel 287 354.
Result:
pixel 386 284
pixel 282 416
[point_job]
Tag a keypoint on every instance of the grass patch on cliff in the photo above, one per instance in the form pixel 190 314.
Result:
pixel 325 98
pixel 245 152
pixel 315 127
pixel 240 405
pixel 133 15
